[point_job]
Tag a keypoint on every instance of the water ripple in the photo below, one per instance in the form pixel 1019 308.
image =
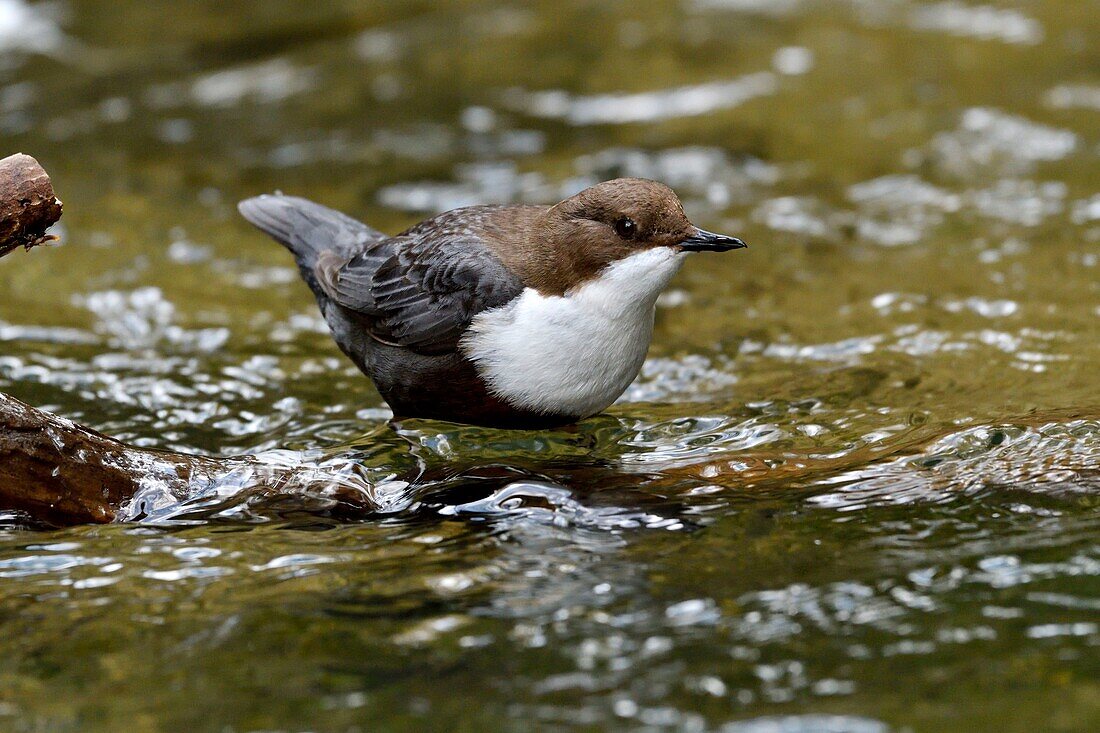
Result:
pixel 1055 459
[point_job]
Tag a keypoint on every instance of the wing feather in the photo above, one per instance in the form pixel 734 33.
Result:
pixel 420 290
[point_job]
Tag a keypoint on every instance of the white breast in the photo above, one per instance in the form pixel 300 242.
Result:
pixel 573 354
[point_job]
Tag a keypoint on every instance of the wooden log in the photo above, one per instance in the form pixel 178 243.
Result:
pixel 60 473
pixel 28 206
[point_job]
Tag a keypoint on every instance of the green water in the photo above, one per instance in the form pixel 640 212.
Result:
pixel 856 488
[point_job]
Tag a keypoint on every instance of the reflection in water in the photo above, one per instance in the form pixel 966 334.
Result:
pixel 983 21
pixel 612 109
pixel 28 28
pixel 854 488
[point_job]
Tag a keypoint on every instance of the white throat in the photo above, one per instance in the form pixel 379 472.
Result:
pixel 573 354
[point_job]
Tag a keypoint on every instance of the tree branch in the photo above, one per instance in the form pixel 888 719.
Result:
pixel 28 206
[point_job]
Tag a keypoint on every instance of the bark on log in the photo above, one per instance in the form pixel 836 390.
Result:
pixel 28 206
pixel 61 473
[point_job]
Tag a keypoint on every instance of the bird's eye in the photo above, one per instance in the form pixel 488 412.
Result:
pixel 626 228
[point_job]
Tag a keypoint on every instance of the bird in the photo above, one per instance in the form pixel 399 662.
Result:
pixel 502 316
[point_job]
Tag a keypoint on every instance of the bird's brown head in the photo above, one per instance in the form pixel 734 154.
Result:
pixel 575 239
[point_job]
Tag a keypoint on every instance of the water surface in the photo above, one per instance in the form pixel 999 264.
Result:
pixel 855 488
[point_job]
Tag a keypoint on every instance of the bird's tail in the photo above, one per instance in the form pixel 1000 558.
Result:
pixel 308 229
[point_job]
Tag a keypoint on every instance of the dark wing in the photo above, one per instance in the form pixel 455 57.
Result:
pixel 419 290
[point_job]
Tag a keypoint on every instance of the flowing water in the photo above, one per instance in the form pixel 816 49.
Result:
pixel 856 488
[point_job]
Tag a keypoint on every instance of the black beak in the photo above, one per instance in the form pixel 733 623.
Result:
pixel 704 241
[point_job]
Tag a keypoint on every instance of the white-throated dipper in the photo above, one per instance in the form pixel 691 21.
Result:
pixel 503 316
